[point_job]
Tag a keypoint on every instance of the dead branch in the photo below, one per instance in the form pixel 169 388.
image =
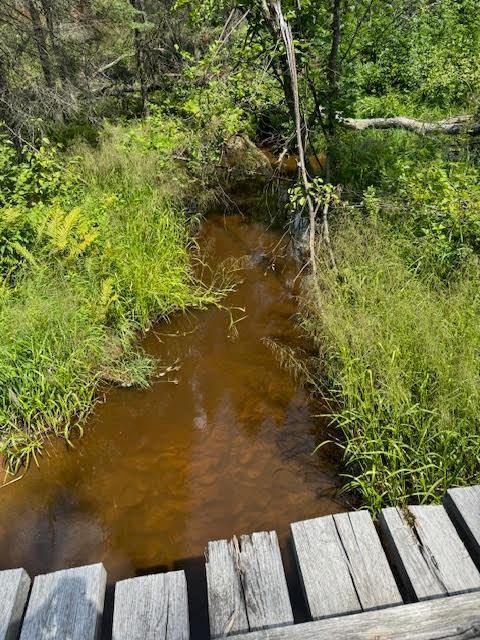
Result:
pixel 105 67
pixel 287 37
pixel 453 125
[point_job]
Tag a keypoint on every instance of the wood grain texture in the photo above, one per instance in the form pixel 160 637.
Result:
pixel 263 581
pixel 66 605
pixel 454 618
pixel 373 579
pixel 226 604
pixel 14 588
pixel 153 607
pixel 326 578
pixel 342 565
pixel 430 558
pixel 247 589
pixel 463 507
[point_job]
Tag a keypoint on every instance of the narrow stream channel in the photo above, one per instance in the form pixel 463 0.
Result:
pixel 221 446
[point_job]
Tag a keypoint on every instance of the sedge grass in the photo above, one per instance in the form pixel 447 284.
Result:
pixel 400 362
pixel 108 258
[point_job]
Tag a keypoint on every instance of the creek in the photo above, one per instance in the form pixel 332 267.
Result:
pixel 220 445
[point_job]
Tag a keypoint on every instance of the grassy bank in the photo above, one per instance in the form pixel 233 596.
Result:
pixel 398 335
pixel 94 249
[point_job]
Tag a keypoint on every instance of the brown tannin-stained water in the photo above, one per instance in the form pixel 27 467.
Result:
pixel 221 446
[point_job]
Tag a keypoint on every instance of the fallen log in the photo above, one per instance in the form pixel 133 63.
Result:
pixel 453 125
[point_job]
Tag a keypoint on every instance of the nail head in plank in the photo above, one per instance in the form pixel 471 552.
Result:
pixel 342 565
pixel 14 588
pixel 430 557
pixel 455 618
pixel 263 580
pixel 66 605
pixel 463 506
pixel 153 607
pixel 226 604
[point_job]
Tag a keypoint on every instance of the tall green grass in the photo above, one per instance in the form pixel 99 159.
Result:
pixel 86 269
pixel 399 358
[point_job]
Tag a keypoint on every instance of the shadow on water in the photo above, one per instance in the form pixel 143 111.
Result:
pixel 221 446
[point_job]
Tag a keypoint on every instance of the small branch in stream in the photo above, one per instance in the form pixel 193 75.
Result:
pixel 326 237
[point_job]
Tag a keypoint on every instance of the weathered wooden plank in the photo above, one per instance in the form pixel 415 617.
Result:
pixel 14 588
pixel 373 579
pixel 430 557
pixel 226 603
pixel 247 589
pixel 153 607
pixel 342 565
pixel 264 583
pixel 326 579
pixel 463 507
pixel 454 618
pixel 66 605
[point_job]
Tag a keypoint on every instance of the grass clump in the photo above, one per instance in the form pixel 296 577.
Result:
pixel 398 337
pixel 94 249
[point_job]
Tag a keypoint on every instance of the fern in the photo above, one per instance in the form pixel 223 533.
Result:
pixel 83 244
pixel 61 226
pixel 70 233
pixel 25 253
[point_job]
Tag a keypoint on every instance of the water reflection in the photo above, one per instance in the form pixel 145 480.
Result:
pixel 220 446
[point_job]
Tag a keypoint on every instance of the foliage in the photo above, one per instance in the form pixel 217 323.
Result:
pixel 444 201
pixel 402 362
pixel 96 258
pixel 426 50
pixel 320 192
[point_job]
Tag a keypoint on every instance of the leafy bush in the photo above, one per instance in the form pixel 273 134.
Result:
pixel 37 175
pixel 443 205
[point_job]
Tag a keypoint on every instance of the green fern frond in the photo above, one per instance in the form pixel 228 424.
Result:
pixel 83 244
pixel 25 253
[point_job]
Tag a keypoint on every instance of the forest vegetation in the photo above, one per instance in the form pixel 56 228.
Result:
pixel 115 118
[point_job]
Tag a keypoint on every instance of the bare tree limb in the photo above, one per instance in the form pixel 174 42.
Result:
pixel 109 65
pixel 454 125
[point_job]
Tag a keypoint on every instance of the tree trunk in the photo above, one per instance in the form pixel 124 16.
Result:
pixel 139 6
pixel 332 81
pixel 41 42
pixel 280 65
pixel 292 65
pixel 332 69
pixel 55 40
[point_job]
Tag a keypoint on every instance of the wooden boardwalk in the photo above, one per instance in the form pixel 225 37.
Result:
pixel 413 576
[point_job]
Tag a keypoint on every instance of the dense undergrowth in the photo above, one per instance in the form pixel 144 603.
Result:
pixel 94 243
pixel 398 332
pixel 93 249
